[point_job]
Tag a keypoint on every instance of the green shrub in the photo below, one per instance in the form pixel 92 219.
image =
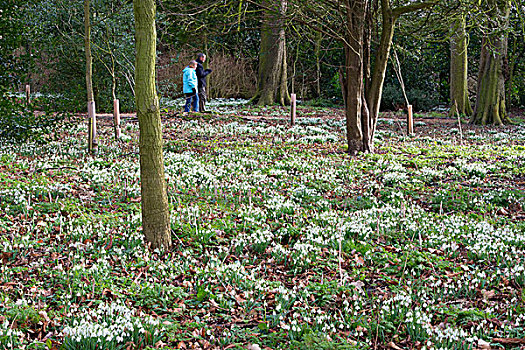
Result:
pixel 20 122
pixel 421 100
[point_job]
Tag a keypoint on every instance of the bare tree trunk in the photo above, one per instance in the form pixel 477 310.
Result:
pixel 368 120
pixel 375 91
pixel 375 80
pixel 356 14
pixel 155 210
pixel 206 65
pixel 459 70
pixel 512 69
pixel 342 82
pixel 318 41
pixel 92 121
pixel 273 77
pixel 362 108
pixel 490 99
pixel 361 86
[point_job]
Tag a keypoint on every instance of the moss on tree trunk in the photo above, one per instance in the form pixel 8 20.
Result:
pixel 155 210
pixel 272 85
pixel 459 99
pixel 490 98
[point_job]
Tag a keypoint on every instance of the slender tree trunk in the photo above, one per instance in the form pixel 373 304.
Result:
pixel 273 77
pixel 294 68
pixel 318 42
pixel 459 70
pixel 490 99
pixel 518 52
pixel 92 121
pixel 87 46
pixel 377 80
pixel 206 66
pixel 362 106
pixel 342 82
pixel 155 209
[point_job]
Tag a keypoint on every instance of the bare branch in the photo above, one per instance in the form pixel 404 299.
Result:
pixel 399 11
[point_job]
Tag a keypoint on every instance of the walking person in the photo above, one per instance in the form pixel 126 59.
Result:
pixel 190 87
pixel 201 76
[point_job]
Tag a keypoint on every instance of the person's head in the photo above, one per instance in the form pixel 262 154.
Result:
pixel 193 64
pixel 201 57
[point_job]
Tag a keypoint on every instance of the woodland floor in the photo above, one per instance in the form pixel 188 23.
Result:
pixel 281 240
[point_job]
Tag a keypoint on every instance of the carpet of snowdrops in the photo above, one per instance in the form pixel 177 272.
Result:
pixel 280 239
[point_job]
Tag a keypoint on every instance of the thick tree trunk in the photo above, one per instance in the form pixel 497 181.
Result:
pixel 155 210
pixel 490 99
pixel 459 101
pixel 272 84
pixel 92 121
pixel 361 125
pixel 356 14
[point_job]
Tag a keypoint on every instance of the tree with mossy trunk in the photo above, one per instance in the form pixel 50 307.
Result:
pixel 155 209
pixel 272 85
pixel 490 98
pixel 459 99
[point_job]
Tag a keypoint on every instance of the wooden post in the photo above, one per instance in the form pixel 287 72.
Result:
pixel 460 129
pixel 92 127
pixel 116 118
pixel 28 93
pixel 293 109
pixel 410 121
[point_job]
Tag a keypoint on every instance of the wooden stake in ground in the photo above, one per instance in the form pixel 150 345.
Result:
pixel 459 126
pixel 410 120
pixel 293 111
pixel 92 127
pixel 28 94
pixel 116 118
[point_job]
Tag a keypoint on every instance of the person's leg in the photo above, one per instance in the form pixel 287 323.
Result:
pixel 196 103
pixel 188 103
pixel 202 99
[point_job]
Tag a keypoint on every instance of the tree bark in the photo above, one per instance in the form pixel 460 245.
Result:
pixel 92 122
pixel 318 42
pixel 155 209
pixel 206 65
pixel 272 85
pixel 375 90
pixel 490 99
pixel 459 100
pixel 356 15
pixel 361 134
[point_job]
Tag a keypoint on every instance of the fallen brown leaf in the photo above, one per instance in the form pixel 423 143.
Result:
pixel 509 341
pixel 394 346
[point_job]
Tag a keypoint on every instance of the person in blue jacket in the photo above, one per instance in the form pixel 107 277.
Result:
pixel 190 87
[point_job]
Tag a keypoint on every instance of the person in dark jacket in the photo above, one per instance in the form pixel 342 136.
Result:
pixel 201 77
